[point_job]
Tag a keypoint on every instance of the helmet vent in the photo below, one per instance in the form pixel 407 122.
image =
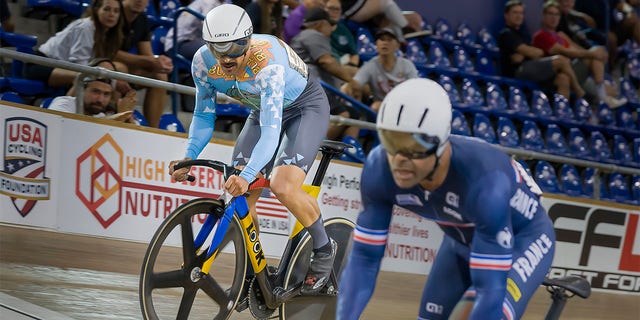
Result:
pixel 399 115
pixel 239 20
pixel 208 28
pixel 424 116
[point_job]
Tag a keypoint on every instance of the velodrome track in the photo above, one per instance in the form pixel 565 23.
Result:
pixel 48 275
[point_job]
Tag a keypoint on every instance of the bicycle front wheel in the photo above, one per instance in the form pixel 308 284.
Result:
pixel 171 283
pixel 319 307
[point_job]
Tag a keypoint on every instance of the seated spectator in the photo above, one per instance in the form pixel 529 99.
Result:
pixel 584 60
pixel 579 26
pixel 266 16
pixel 293 24
pixel 386 70
pixel 6 23
pixel 314 48
pixel 96 35
pixel 520 60
pixel 189 29
pixel 97 97
pixel 137 38
pixel 343 44
pixel 385 13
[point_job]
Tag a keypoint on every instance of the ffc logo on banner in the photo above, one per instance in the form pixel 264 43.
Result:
pixel 25 154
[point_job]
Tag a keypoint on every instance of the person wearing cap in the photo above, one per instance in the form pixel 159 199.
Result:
pixel 97 97
pixel 386 70
pixel 486 204
pixel 313 45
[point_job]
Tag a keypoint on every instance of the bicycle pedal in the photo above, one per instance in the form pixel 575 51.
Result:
pixel 242 304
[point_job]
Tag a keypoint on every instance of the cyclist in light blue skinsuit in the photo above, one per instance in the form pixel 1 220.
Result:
pixel 288 120
pixel 498 237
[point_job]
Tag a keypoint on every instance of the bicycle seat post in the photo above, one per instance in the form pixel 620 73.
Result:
pixel 329 150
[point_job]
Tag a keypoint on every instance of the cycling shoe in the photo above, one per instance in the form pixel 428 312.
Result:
pixel 319 270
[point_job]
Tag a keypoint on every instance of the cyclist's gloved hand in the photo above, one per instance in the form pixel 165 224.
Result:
pixel 180 174
pixel 236 185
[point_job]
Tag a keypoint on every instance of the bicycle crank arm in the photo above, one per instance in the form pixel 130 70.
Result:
pixel 283 295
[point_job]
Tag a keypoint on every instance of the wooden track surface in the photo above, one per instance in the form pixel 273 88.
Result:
pixel 93 278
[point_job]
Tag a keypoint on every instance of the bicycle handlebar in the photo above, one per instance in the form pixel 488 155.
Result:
pixel 227 170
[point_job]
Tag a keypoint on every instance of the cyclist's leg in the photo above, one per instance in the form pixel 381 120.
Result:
pixel 448 279
pixel 532 257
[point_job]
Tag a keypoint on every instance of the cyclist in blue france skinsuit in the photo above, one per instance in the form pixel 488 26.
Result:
pixel 289 117
pixel 497 236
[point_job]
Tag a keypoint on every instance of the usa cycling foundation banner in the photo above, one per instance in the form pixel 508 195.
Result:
pixel 73 174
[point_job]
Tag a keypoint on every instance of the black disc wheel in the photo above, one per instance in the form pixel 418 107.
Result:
pixel 172 285
pixel 322 306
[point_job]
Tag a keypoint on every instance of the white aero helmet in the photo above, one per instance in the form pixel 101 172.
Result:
pixel 418 106
pixel 227 29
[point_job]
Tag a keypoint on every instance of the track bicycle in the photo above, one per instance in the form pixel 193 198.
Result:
pixel 187 274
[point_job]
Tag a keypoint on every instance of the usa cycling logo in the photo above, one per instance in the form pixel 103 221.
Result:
pixel 98 180
pixel 25 154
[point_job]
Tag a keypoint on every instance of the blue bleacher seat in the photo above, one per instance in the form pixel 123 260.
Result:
pixel 622 150
pixel 555 140
pixel 582 110
pixel 507 133
pixel 168 8
pixel 600 150
pixel 487 41
pixel 540 104
pixel 365 44
pixel 11 97
pixel 438 57
pixel 450 87
pixel 570 180
pixel 532 137
pixel 636 150
pixel 459 124
pixel 73 8
pixel 139 118
pixel 635 189
pixel 465 35
pixel 578 144
pixel 483 129
pixel 605 115
pixel 562 108
pixel 354 154
pixel 157 39
pixel 624 118
pixel 588 182
pixel 633 66
pixel 628 91
pixel 495 97
pixel 444 31
pixel 170 122
pixel 518 101
pixel 462 60
pixel 46 102
pixel 484 63
pixel 618 188
pixel 471 95
pixel 546 178
pixel 415 52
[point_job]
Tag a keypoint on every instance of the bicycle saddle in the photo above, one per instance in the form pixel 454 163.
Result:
pixel 575 284
pixel 334 147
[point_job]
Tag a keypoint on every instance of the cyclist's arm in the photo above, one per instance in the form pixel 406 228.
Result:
pixel 204 114
pixel 270 82
pixel 369 242
pixel 491 247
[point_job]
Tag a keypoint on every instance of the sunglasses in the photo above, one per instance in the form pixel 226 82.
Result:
pixel 231 49
pixel 394 142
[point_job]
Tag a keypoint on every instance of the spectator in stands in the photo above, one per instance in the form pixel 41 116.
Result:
pixel 520 60
pixel 293 24
pixel 386 70
pixel 6 24
pixel 314 48
pixel 97 97
pixel 584 60
pixel 386 13
pixel 189 29
pixel 343 44
pixel 579 26
pixel 266 16
pixel 96 35
pixel 137 35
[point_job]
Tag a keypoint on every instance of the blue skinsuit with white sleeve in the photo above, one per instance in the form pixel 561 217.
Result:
pixel 498 237
pixel 282 100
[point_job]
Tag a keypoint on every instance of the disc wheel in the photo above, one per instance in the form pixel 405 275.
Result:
pixel 172 285
pixel 321 306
